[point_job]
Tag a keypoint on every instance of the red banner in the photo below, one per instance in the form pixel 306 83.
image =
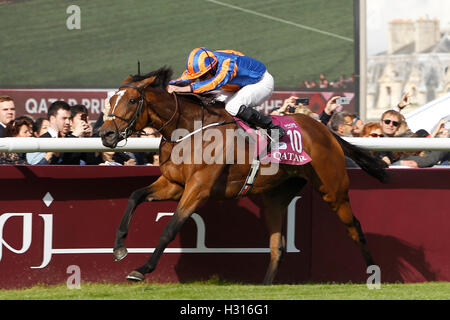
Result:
pixel 55 218
pixel 35 102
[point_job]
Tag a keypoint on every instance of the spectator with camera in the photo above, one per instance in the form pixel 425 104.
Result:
pixel 80 127
pixel 333 105
pixel 79 121
pixel 294 105
pixel 291 105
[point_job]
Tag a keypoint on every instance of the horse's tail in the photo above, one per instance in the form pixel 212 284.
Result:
pixel 372 165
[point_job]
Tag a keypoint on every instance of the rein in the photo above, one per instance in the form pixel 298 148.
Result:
pixel 173 115
pixel 203 118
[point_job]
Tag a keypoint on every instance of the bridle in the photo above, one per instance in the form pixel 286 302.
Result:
pixel 132 122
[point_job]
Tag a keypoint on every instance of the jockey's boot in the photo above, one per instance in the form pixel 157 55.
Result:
pixel 256 118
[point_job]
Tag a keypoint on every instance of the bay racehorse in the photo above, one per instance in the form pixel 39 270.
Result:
pixel 143 100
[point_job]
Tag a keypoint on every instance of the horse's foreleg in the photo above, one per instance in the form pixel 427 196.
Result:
pixel 192 197
pixel 161 189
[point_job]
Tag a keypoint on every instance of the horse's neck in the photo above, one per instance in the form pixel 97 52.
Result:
pixel 191 115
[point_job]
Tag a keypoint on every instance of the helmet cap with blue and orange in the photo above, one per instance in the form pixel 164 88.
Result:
pixel 199 61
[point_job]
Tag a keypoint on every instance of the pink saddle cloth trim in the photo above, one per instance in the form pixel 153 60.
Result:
pixel 289 149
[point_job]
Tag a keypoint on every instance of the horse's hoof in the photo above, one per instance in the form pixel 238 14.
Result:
pixel 120 253
pixel 135 276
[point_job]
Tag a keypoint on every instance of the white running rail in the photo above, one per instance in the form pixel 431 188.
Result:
pixel 152 144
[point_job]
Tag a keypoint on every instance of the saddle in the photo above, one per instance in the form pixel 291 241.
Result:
pixel 205 99
pixel 289 150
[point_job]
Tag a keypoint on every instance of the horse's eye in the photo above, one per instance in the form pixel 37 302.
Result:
pixel 132 101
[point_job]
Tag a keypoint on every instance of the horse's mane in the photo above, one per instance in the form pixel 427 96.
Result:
pixel 163 76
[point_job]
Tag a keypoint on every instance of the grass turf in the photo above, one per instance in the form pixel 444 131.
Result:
pixel 219 290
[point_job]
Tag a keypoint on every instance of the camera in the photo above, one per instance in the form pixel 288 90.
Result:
pixel 343 100
pixel 291 109
pixel 303 101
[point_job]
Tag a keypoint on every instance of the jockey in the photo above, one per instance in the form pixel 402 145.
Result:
pixel 244 82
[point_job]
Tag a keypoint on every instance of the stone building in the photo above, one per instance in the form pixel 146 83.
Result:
pixel 417 61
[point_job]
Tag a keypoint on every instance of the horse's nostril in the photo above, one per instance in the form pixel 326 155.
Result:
pixel 107 134
pixel 109 138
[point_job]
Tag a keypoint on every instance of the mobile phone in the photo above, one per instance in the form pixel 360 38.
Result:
pixel 343 100
pixel 303 101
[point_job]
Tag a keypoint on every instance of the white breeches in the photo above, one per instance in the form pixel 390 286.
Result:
pixel 251 95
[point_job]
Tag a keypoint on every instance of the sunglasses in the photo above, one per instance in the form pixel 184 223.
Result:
pixel 376 135
pixel 394 123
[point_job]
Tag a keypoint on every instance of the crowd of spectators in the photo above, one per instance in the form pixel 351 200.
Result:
pixel 343 83
pixel 392 123
pixel 65 121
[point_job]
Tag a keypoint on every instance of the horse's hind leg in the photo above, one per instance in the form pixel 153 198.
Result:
pixel 334 191
pixel 274 216
pixel 161 189
pixel 275 204
pixel 354 230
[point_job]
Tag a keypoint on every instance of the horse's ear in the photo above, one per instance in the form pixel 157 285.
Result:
pixel 128 79
pixel 163 76
pixel 147 82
